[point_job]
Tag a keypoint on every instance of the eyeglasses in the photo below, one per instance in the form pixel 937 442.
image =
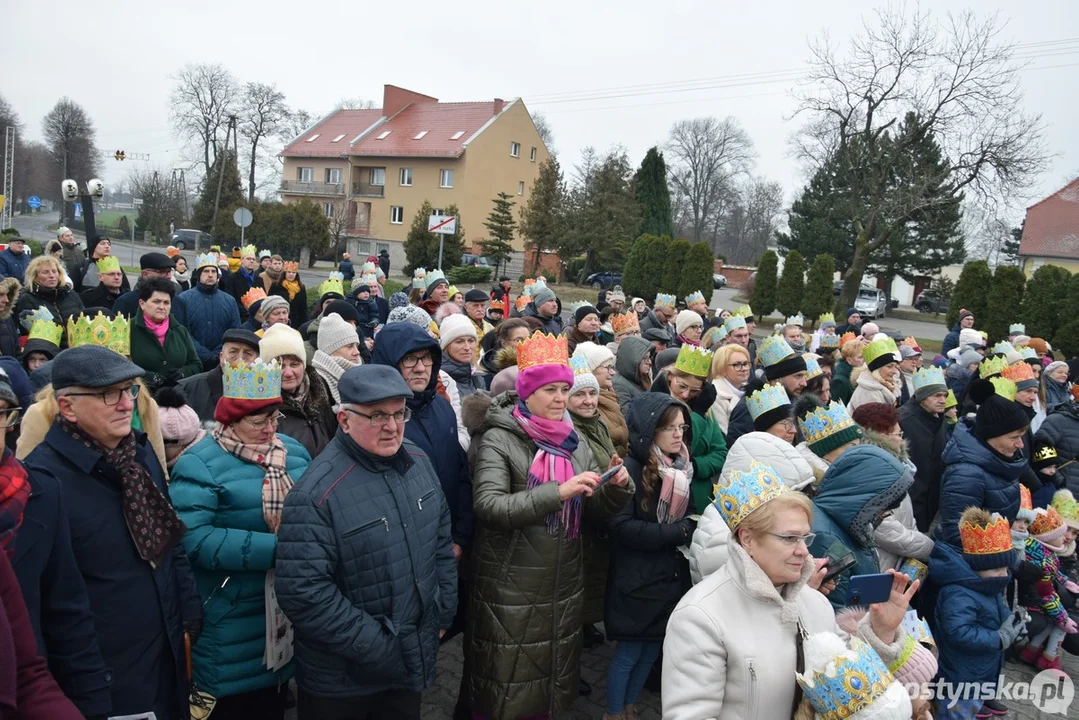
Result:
pixel 381 419
pixel 788 425
pixel 674 429
pixel 411 361
pixel 609 367
pixel 743 365
pixel 261 424
pixel 896 434
pixel 112 396
pixel 9 417
pixel 793 540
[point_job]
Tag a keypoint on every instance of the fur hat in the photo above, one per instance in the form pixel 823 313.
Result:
pixel 280 340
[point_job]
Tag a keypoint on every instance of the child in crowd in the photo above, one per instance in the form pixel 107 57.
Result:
pixel 1044 461
pixel 1046 539
pixel 1065 504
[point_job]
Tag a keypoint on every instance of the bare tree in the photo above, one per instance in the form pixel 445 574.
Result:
pixel 707 156
pixel 750 224
pixel 263 114
pixel 339 225
pixel 36 172
pixel 163 201
pixel 204 97
pixel 963 85
pixel 355 103
pixel 546 132
pixel 69 135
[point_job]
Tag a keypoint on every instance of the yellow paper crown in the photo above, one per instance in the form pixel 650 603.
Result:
pixel 248 250
pixel 980 538
pixel 46 330
pixel 108 264
pixel 542 349
pixel 826 318
pixel 252 296
pixel 744 311
pixel 1064 503
pixel 694 361
pixel 112 333
pixel 951 401
pixel 625 322
pixel 992 366
pixel 879 349
pixel 1004 387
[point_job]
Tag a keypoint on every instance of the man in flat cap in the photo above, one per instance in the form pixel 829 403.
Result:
pixel 124 531
pixel 365 566
pixel 151 265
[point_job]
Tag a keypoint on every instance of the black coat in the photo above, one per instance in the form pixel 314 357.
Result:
pixel 202 392
pixel 62 303
pixel 314 425
pixel 1061 430
pixel 647 574
pixel 297 306
pixel 138 609
pixel 100 296
pixel 56 598
pixel 926 435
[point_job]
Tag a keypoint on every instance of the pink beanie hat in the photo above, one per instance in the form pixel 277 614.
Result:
pixel 532 379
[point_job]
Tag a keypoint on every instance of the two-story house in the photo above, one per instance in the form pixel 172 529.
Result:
pixel 1051 232
pixel 371 170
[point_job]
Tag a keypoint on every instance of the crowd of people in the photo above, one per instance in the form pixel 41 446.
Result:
pixel 220 491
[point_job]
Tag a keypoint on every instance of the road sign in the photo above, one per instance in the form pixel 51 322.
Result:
pixel 34 202
pixel 136 201
pixel 442 224
pixel 242 217
pixel 78 210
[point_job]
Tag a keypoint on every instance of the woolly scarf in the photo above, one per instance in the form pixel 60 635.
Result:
pixel 331 368
pixel 159 329
pixel 292 287
pixel 309 400
pixel 675 475
pixel 181 277
pixel 151 520
pixel 1055 393
pixel 14 493
pixel 271 457
pixel 686 341
pixel 556 441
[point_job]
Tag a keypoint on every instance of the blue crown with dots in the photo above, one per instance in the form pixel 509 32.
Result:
pixel 695 297
pixel 1003 347
pixel 1029 353
pixel 579 365
pixel 924 377
pixel 823 422
pixel 740 492
pixel 252 381
pixel 734 322
pixel 796 320
pixel 767 398
pixel 918 628
pixel 665 301
pixel 1017 329
pixel 774 349
pixel 812 368
pixel 849 683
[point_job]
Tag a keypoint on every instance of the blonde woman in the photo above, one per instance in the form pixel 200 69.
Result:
pixel 880 382
pixel 46 286
pixel 730 373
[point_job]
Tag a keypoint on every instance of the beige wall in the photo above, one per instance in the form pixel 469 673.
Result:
pixel 318 165
pixel 1032 263
pixel 425 186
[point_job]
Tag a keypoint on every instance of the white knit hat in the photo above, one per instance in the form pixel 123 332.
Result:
pixel 594 353
pixel 582 381
pixel 687 319
pixel 453 327
pixel 279 340
pixel 334 332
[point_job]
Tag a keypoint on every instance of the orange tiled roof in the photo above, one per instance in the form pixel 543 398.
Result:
pixel 1052 225
pixel 342 125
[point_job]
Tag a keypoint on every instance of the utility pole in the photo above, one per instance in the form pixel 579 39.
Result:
pixel 9 177
pixel 221 170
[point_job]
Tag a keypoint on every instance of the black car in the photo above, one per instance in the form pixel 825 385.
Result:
pixel 718 281
pixel 191 239
pixel 604 280
pixel 929 302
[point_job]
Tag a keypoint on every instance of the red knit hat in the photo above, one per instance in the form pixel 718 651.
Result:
pixel 229 410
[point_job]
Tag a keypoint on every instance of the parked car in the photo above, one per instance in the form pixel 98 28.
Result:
pixel 604 280
pixel 719 281
pixel 870 302
pixel 184 239
pixel 476 260
pixel 929 302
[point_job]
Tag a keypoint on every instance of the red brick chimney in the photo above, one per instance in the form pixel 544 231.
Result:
pixel 499 103
pixel 395 99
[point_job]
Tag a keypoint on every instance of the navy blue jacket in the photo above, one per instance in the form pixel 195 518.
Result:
pixel 951 341
pixel 433 426
pixel 975 476
pixel 969 611
pixel 13 265
pixel 206 315
pixel 346 269
pixel 138 609
pixel 56 598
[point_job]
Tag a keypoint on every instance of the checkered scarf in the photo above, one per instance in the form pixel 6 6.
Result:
pixel 14 493
pixel 272 457
pixel 675 477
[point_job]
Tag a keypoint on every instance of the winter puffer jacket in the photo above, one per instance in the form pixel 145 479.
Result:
pixel 62 303
pixel 927 435
pixel 870 390
pixel 219 498
pixel 975 476
pixel 631 352
pixel 648 574
pixel 951 341
pixel 897 536
pixel 859 487
pixel 9 326
pixel 207 314
pixel 527 590
pixel 1061 430
pixel 13 264
pixel 969 611
pixel 593 430
pixel 552 325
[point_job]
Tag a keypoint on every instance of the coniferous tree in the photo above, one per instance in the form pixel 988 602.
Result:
pixel 673 266
pixel 763 299
pixel 501 225
pixel 1009 249
pixel 232 196
pixel 421 247
pixel 1005 299
pixel 543 221
pixel 635 275
pixel 818 297
pixel 970 292
pixel 791 285
pixel 1043 311
pixel 653 194
pixel 697 271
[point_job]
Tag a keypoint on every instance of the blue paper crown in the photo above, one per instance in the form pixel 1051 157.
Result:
pixel 741 492
pixel 695 297
pixel 823 422
pixel 205 260
pixel 767 398
pixel 924 377
pixel 665 300
pixel 40 313
pixel 774 349
pixel 812 368
pixel 1017 329
pixel 918 628
pixel 1028 353
pixel 849 683
pixel 254 381
pixel 734 322
pixel 579 365
pixel 1003 347
pixel 829 341
pixel 796 320
pixel 336 276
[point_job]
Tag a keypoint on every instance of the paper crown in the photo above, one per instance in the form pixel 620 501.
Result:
pixel 951 401
pixel 846 338
pixel 252 296
pixel 1045 453
pixel 497 305
pixel 695 297
pixel 796 320
pixel 739 492
pixel 823 422
pixel 46 330
pixel 825 318
pixel 111 333
pixel 1064 503
pixel 693 361
pixel 914 569
pixel 1003 387
pixel 248 250
pixel 292 266
pixel 40 313
pixel 663 300
pixel 265 254
pixel 774 349
pixel 713 335
pixel 882 351
pixel 334 284
pixel 419 273
pixel 1028 353
pixel 830 342
pixel 734 322
pixel 926 377
pixel 522 302
pixel 851 682
pixel 1046 520
pixel 989 539
pixel 767 398
pixel 912 343
pixel 1026 502
pixel 579 365
pixel 369 267
pixel 915 626
pixel 108 264
pixel 744 312
pixel 622 323
pixel 574 307
pixel 542 349
pixel 436 276
pixel 255 381
pixel 992 366
pixel 205 260
pixel 812 368
pixel 336 277
pixel 1020 372
pixel 1017 329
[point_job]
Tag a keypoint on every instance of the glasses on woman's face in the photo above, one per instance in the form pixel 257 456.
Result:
pixel 673 429
pixel 740 365
pixel 788 425
pixel 111 396
pixel 9 417
pixel 262 423
pixel 381 419
pixel 793 540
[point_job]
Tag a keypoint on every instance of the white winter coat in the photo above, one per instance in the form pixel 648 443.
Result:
pixel 869 390
pixel 726 398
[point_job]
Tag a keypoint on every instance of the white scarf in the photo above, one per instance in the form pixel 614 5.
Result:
pixel 331 368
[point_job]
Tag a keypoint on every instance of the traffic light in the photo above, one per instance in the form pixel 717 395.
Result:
pixel 119 155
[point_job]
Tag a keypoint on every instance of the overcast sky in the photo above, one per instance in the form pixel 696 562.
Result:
pixel 116 58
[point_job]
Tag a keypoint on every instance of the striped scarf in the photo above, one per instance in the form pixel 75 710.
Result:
pixel 272 457
pixel 14 493
pixel 556 441
pixel 675 476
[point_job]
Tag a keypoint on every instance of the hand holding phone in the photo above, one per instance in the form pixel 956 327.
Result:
pixel 869 589
pixel 838 566
pixel 607 476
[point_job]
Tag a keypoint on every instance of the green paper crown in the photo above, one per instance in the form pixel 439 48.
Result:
pixel 114 334
pixel 108 264
pixel 826 317
pixel 46 330
pixel 879 348
pixel 992 366
pixel 1003 387
pixel 694 361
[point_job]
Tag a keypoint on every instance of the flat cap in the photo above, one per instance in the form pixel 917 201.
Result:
pixel 156 261
pixel 656 334
pixel 475 295
pixel 238 335
pixel 91 366
pixel 371 384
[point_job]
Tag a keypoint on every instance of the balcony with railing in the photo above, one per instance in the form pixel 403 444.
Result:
pixel 299 187
pixel 366 189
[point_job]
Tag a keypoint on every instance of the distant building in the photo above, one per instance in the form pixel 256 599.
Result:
pixel 371 170
pixel 1051 232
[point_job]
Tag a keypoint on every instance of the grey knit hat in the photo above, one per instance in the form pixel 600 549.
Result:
pixel 410 313
pixel 543 295
pixel 334 333
pixel 969 357
pixel 272 302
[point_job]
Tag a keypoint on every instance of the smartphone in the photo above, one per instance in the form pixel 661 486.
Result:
pixel 835 567
pixel 869 589
pixel 607 476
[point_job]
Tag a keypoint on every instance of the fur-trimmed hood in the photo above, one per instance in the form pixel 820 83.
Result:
pixel 872 437
pixel 10 287
pixel 474 411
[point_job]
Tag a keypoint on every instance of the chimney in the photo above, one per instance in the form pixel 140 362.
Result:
pixel 499 103
pixel 395 99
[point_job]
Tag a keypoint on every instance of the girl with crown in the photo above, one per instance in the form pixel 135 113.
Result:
pixel 290 287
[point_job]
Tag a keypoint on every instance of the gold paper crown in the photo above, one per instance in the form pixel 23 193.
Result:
pixel 292 266
pixel 499 305
pixel 255 381
pixel 951 401
pixel 625 322
pixel 248 250
pixel 992 366
pixel 46 330
pixel 1026 502
pixel 744 311
pixel 1043 454
pixel 1003 387
pixel 880 348
pixel 851 682
pixel 1045 520
pixel 984 538
pixel 694 361
pixel 252 296
pixel 108 264
pixel 542 349
pixel 912 344
pixel 114 334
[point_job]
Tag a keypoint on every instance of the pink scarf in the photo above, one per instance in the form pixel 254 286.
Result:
pixel 675 476
pixel 556 441
pixel 158 329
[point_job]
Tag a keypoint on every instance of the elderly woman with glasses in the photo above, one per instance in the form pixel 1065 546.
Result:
pixel 730 373
pixel 229 489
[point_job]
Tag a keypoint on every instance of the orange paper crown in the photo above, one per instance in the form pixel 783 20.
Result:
pixel 498 305
pixel 1045 522
pixel 252 296
pixel 912 344
pixel 1025 501
pixel 847 337
pixel 996 537
pixel 628 322
pixel 522 302
pixel 1019 371
pixel 542 349
pixel 292 266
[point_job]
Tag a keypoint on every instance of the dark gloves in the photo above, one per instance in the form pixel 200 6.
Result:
pixel 1010 631
pixel 194 629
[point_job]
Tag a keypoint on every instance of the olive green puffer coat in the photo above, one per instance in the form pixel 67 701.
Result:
pixel 527 601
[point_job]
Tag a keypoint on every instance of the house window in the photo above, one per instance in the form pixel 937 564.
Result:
pixel 379 247
pixel 515 149
pixel 532 155
pixel 328 209
pixel 521 188
pixel 377 176
pixel 364 247
pixel 333 176
pixel 445 178
pixel 397 214
pixel 305 174
pixel 406 177
pixel 439 212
